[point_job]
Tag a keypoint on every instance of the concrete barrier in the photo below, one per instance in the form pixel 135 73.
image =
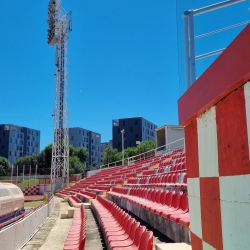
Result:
pixel 174 231
pixel 17 235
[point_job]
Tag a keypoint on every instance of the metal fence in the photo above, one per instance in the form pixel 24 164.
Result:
pixel 162 150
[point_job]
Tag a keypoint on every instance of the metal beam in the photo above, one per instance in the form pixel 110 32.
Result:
pixel 209 54
pixel 219 30
pixel 215 7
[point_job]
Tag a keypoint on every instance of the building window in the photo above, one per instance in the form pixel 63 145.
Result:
pixel 32 132
pixel 32 150
pixel 21 154
pixel 28 137
pixel 72 138
pixel 31 144
pixel 83 132
pixel 16 141
pixel 33 138
pixel 136 136
pixel 79 144
pixel 123 123
pixel 28 132
pixel 10 140
pixel 3 133
pixel 17 135
pixel 21 136
pixel 136 122
pixel 143 129
pixel 87 140
pixel 21 142
pixel 37 145
pixel 119 130
pixel 131 144
pixel 87 133
pixel 28 143
pixel 37 133
pixel 28 149
pixel 119 144
pixel 10 153
pixel 131 129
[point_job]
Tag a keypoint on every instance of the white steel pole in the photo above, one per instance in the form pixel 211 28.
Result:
pixel 11 172
pixel 17 175
pixel 29 176
pixel 23 175
pixel 35 175
pixel 122 146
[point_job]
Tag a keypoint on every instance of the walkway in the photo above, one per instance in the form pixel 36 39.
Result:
pixel 52 235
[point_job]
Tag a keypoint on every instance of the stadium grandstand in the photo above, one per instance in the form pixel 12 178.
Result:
pixel 153 190
pixel 194 196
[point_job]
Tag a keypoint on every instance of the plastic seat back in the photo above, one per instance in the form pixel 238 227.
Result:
pixel 181 177
pixel 184 203
pixel 149 194
pixel 129 224
pixel 138 235
pixel 177 200
pixel 146 241
pixel 170 178
pixel 169 199
pixel 175 178
pixel 133 229
pixel 163 197
pixel 153 195
pixel 185 179
pixel 158 196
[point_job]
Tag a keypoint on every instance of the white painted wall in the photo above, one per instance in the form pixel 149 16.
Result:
pixel 89 173
pixel 16 236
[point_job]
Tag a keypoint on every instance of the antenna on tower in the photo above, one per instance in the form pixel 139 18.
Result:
pixel 60 24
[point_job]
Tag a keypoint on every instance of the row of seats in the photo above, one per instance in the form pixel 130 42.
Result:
pixel 99 189
pixel 77 233
pixel 168 204
pixel 73 200
pixel 86 195
pixel 178 180
pixel 64 193
pixel 121 231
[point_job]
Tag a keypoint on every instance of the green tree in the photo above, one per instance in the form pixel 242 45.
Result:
pixel 109 155
pixel 24 161
pixel 5 166
pixel 82 154
pixel 47 155
pixel 75 165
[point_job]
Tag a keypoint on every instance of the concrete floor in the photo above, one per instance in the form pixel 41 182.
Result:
pixel 94 240
pixel 52 235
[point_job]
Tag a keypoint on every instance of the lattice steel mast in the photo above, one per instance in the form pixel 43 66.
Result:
pixel 60 24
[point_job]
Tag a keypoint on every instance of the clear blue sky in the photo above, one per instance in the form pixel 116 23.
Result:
pixel 122 57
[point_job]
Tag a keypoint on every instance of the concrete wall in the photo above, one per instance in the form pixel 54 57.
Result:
pixel 15 236
pixel 174 133
pixel 89 173
pixel 160 138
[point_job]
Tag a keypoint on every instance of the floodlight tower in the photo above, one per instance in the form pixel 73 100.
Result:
pixel 60 24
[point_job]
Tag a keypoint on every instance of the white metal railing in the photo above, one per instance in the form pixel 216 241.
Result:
pixel 162 150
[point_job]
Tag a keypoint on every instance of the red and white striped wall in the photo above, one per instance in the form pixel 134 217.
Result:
pixel 31 190
pixel 218 164
pixel 215 111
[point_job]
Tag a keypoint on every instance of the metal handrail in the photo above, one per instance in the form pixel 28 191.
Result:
pixel 128 160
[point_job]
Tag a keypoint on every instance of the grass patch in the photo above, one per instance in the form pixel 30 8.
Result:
pixel 33 203
pixel 26 183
